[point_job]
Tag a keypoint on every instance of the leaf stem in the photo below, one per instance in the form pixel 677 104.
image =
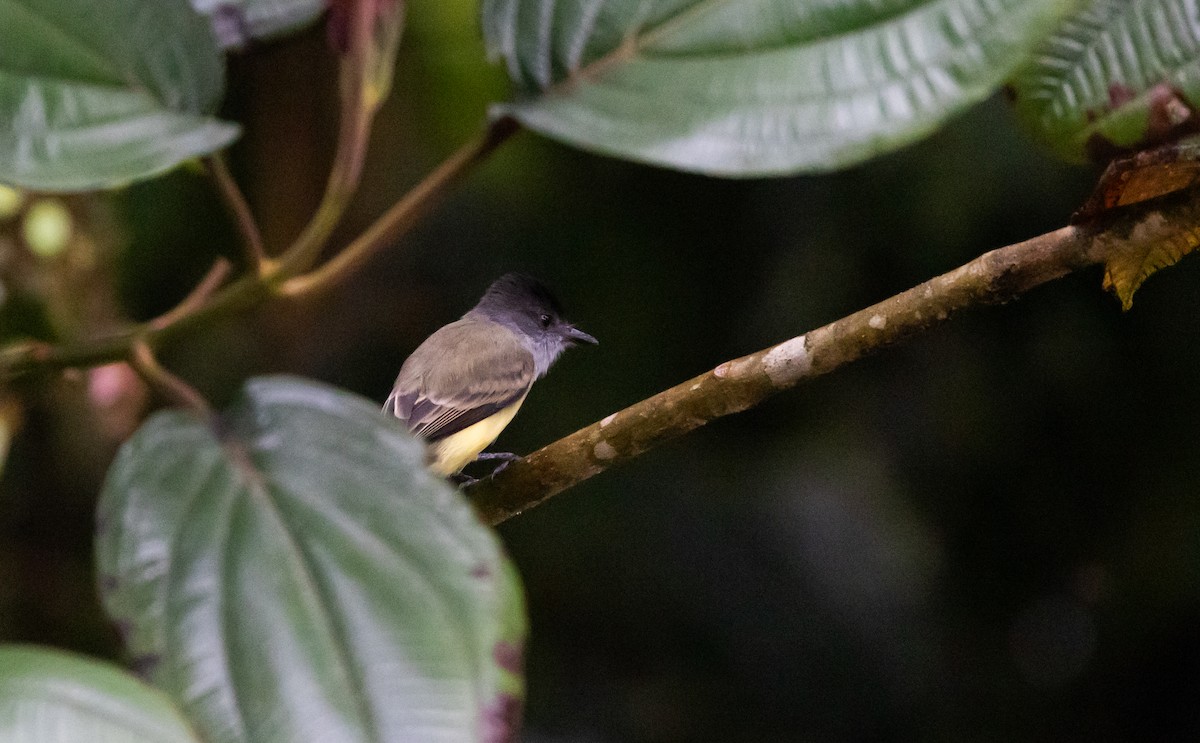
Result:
pixel 357 111
pixel 239 211
pixel 212 281
pixel 249 290
pixel 405 213
pixel 142 359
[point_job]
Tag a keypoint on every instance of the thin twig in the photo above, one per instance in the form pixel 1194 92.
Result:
pixel 354 130
pixel 28 358
pixel 405 213
pixel 734 386
pixel 239 211
pixel 142 359
pixel 249 290
pixel 200 294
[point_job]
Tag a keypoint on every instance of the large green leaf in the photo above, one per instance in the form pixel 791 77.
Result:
pixel 237 22
pixel 304 578
pixel 48 696
pixel 96 94
pixel 1119 75
pixel 758 86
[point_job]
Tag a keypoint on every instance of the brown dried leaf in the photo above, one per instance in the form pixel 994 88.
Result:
pixel 1143 176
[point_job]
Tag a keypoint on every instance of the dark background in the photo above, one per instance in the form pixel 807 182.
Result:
pixel 988 534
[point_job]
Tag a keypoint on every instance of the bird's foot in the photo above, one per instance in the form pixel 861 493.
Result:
pixel 504 458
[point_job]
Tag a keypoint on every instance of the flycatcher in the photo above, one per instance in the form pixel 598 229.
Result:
pixel 463 385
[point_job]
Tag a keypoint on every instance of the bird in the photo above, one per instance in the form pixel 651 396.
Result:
pixel 464 384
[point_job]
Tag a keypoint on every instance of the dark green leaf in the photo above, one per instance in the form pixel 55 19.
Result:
pixel 759 86
pixel 97 94
pixel 48 696
pixel 237 22
pixel 305 578
pixel 1118 76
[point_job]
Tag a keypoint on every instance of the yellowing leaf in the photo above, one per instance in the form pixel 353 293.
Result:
pixel 1147 250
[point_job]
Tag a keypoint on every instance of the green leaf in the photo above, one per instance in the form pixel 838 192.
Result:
pixel 1118 76
pixel 304 577
pixel 48 696
pixel 237 22
pixel 96 94
pixel 758 87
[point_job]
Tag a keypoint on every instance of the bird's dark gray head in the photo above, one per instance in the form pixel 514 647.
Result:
pixel 524 305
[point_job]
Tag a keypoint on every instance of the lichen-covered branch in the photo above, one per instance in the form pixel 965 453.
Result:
pixel 734 386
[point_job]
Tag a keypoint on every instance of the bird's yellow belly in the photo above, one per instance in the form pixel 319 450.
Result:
pixel 451 454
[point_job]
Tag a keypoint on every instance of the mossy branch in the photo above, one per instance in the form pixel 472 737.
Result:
pixel 998 276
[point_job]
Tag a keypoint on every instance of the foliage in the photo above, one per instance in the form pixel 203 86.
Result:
pixel 86 104
pixel 49 695
pixel 299 575
pixel 286 569
pixel 756 88
pixel 1114 78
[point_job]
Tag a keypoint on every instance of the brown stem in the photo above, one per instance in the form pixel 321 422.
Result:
pixel 196 298
pixel 404 213
pixel 28 357
pixel 736 385
pixel 354 131
pixel 239 210
pixel 142 359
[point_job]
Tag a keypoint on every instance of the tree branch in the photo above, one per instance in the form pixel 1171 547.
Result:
pixel 734 386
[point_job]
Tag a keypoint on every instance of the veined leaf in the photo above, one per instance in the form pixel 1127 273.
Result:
pixel 95 94
pixel 757 87
pixel 1116 77
pixel 48 696
pixel 303 577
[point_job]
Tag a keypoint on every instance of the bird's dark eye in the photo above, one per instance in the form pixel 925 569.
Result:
pixel 544 320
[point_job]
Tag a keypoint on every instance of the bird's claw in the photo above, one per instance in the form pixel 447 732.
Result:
pixel 504 457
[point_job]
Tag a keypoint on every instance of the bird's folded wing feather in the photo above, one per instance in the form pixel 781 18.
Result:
pixel 441 389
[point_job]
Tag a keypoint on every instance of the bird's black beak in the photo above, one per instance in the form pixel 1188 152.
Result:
pixel 575 334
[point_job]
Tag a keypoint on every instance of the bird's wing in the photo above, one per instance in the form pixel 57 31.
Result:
pixel 440 392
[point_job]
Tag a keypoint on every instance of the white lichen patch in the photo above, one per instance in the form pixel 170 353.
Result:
pixel 608 419
pixel 879 322
pixel 1151 228
pixel 604 451
pixel 787 362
